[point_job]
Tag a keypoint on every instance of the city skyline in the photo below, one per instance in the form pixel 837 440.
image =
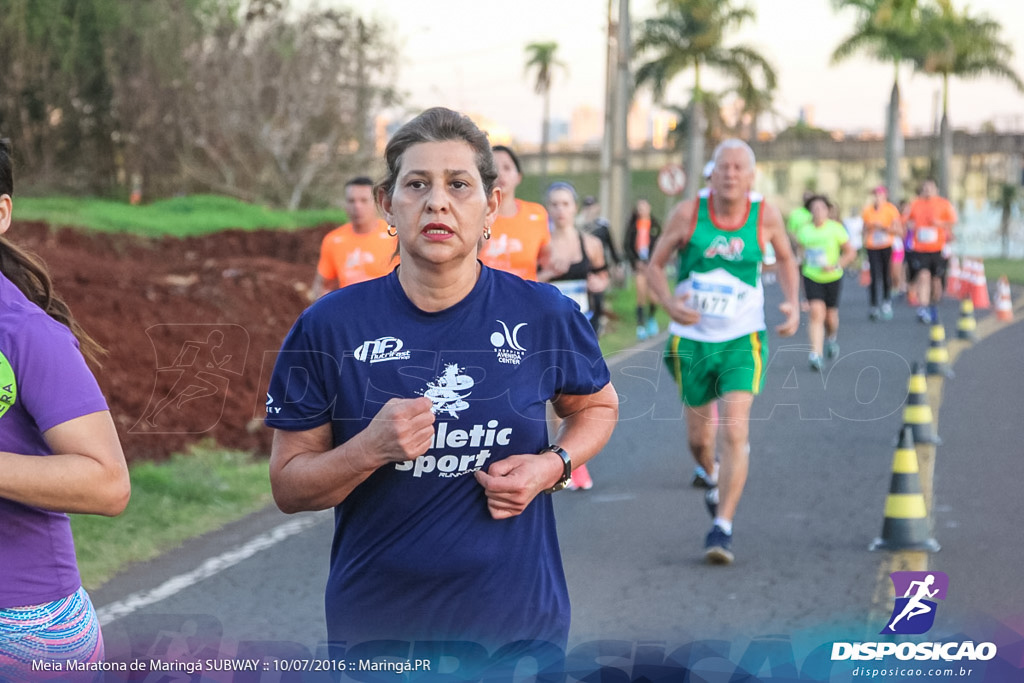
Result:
pixel 483 72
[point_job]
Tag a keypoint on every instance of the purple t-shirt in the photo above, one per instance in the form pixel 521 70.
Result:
pixel 44 382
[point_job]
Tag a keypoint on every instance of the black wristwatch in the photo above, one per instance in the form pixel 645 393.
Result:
pixel 566 467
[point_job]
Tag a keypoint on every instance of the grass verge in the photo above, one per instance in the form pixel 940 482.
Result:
pixel 175 217
pixel 1013 269
pixel 620 334
pixel 187 496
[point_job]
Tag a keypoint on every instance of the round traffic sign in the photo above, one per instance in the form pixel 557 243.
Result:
pixel 671 179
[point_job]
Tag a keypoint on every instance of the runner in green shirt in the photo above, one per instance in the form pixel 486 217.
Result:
pixel 825 251
pixel 717 348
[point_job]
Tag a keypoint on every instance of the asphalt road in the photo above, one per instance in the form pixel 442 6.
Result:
pixel 821 464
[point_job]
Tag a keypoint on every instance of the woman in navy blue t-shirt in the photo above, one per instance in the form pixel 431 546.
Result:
pixel 413 405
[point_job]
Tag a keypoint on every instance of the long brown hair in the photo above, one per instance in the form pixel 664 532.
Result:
pixel 29 274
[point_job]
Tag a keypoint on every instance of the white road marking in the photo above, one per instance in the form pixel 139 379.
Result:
pixel 210 567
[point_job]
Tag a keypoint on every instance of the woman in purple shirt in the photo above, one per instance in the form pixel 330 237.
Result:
pixel 59 453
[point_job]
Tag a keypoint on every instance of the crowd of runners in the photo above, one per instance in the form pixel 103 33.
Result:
pixel 442 267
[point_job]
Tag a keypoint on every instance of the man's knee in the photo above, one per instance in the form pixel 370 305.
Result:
pixel 700 444
pixel 734 435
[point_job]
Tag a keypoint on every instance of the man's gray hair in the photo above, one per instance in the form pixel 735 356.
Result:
pixel 734 143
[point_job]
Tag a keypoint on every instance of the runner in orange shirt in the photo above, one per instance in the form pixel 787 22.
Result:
pixel 881 227
pixel 520 236
pixel 359 250
pixel 929 222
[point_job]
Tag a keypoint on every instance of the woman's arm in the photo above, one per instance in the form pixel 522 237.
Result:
pixel 597 278
pixel 87 472
pixel 847 254
pixel 587 424
pixel 307 473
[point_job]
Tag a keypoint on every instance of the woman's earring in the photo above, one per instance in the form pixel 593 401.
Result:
pixel 487 232
pixel 392 231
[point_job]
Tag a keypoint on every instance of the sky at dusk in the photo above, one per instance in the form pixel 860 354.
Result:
pixel 470 55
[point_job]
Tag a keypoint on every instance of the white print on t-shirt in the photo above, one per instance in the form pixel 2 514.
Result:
pixel 729 248
pixel 444 391
pixel 506 344
pixel 448 393
pixel 480 438
pixel 381 349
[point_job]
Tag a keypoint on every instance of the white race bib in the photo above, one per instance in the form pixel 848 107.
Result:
pixel 575 290
pixel 927 235
pixel 816 258
pixel 879 236
pixel 712 297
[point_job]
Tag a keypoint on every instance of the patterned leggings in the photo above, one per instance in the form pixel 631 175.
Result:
pixel 58 631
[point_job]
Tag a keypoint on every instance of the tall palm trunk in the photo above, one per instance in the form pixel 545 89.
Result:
pixel 894 146
pixel 545 135
pixel 694 140
pixel 945 142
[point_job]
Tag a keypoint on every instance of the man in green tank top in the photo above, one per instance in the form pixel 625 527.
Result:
pixel 718 346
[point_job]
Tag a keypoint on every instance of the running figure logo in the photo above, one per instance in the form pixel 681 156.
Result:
pixel 914 612
pixel 191 387
pixel 446 391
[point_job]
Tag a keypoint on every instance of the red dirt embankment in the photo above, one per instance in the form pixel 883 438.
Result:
pixel 191 325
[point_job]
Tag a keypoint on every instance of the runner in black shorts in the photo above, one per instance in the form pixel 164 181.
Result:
pixel 826 250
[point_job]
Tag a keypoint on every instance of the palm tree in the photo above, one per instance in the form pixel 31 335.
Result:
pixel 689 35
pixel 953 43
pixel 715 127
pixel 886 29
pixel 756 101
pixel 541 57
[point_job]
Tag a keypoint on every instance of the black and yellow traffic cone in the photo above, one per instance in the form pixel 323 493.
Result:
pixel 967 326
pixel 917 414
pixel 906 517
pixel 938 355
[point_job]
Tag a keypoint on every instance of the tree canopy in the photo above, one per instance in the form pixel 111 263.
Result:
pixel 250 98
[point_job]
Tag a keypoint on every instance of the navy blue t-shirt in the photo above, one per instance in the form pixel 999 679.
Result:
pixel 416 554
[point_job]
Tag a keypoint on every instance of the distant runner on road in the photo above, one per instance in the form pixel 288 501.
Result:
pixel 825 250
pixel 930 220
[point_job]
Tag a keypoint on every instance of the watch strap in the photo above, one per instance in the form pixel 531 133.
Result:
pixel 566 467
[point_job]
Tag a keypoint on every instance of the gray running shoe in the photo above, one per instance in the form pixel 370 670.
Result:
pixel 886 310
pixel 815 362
pixel 701 480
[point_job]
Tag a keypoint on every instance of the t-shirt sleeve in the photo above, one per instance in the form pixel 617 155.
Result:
pixel 576 357
pixel 949 213
pixel 325 267
pixel 893 214
pixel 842 234
pixel 298 397
pixel 54 383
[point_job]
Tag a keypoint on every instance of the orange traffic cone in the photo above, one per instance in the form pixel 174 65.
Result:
pixel 865 273
pixel 1004 306
pixel 906 517
pixel 954 281
pixel 979 287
